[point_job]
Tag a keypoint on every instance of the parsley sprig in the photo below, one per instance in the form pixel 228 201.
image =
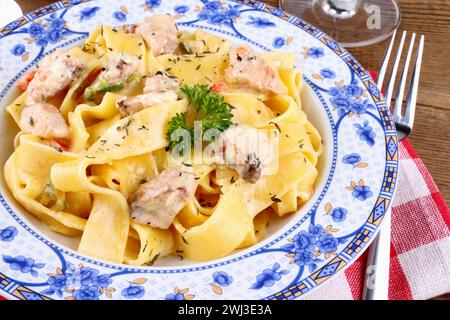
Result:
pixel 178 122
pixel 210 108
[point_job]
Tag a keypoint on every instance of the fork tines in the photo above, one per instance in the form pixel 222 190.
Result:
pixel 404 122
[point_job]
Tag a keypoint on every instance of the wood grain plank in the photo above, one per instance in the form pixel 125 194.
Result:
pixel 432 19
pixel 433 136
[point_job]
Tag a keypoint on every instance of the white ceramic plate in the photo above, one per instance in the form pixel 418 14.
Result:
pixel 358 170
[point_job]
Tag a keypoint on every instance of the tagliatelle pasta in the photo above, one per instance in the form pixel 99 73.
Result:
pixel 88 183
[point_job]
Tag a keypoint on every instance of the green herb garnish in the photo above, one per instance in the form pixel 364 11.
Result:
pixel 210 108
pixel 104 88
pixel 89 94
pixel 48 196
pixel 178 122
pixel 134 78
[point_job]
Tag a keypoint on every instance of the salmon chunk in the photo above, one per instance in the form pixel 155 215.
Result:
pixel 250 70
pixel 161 83
pixel 159 89
pixel 157 202
pixel 120 68
pixel 245 150
pixel 44 120
pixel 160 34
pixel 54 74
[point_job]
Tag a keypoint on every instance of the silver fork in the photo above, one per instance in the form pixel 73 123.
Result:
pixel 376 281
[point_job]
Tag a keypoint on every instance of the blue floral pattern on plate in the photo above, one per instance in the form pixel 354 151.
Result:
pixel 215 13
pixel 307 246
pixel 152 4
pixel 18 50
pixel 220 279
pixel 46 32
pixel 261 23
pixel 354 159
pixel 360 190
pixel 315 53
pixel 362 193
pixel 78 283
pixel 349 99
pixel 339 214
pixel 23 264
pixel 320 243
pixel 181 9
pixel 88 13
pixel 327 73
pixel 120 16
pixel 8 234
pixel 133 292
pixel 268 277
pixel 366 133
pixel 178 294
pixel 279 42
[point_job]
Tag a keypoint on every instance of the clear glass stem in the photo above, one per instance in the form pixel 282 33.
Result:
pixel 353 23
pixel 339 8
pixel 343 5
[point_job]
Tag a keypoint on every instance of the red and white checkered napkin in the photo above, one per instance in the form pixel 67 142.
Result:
pixel 420 241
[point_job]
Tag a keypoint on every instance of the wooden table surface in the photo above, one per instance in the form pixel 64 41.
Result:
pixel 431 135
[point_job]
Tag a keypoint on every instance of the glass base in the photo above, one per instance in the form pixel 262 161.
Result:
pixel 366 23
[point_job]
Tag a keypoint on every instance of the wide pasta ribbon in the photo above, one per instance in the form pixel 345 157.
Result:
pixel 200 68
pixel 140 133
pixel 106 232
pixel 221 233
pixel 88 122
pixel 28 181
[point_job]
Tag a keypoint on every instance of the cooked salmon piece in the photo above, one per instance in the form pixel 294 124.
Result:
pixel 250 70
pixel 157 202
pixel 44 120
pixel 129 106
pixel 54 74
pixel 161 83
pixel 160 34
pixel 159 89
pixel 119 70
pixel 244 149
pixel 127 28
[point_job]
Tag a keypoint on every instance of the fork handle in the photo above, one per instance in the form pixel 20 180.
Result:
pixel 376 284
